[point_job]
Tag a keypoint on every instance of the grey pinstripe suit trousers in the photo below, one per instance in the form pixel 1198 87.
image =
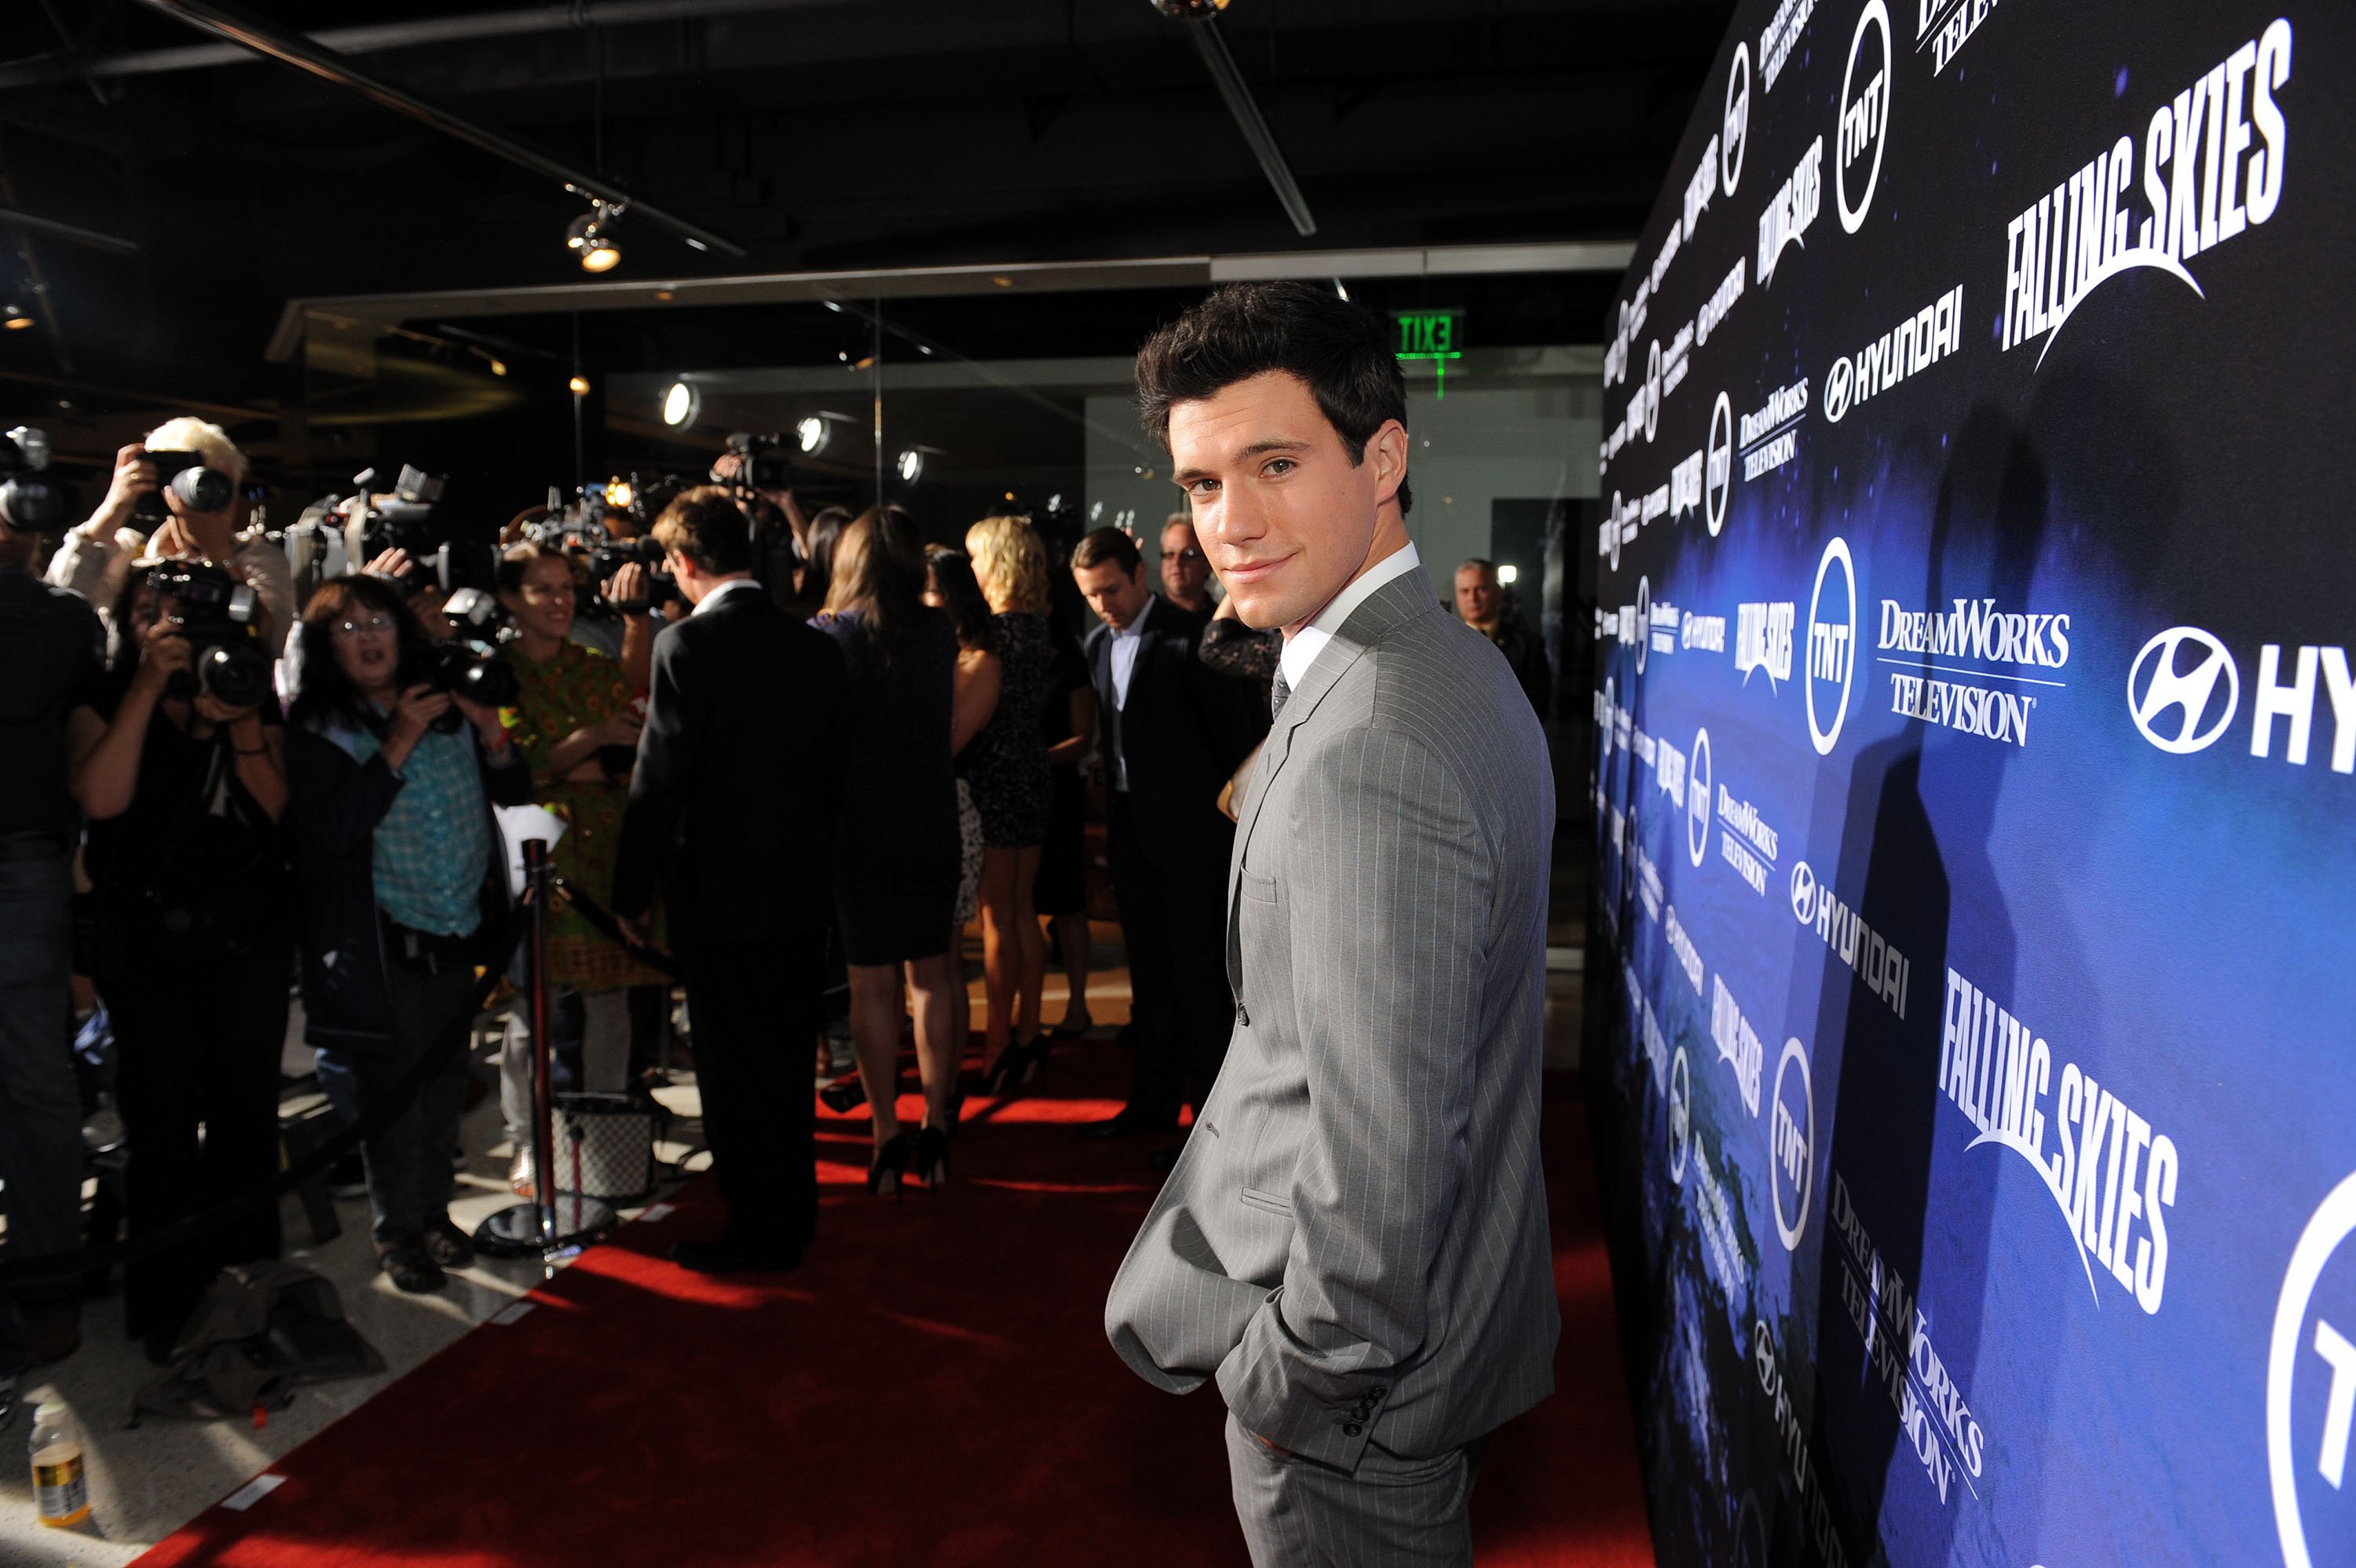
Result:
pixel 1355 1242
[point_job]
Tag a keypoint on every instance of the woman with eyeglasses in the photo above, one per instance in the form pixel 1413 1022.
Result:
pixel 403 891
pixel 184 793
pixel 576 721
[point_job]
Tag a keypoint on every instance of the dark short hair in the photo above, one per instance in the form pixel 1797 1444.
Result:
pixel 706 526
pixel 951 573
pixel 327 694
pixel 1100 545
pixel 1339 349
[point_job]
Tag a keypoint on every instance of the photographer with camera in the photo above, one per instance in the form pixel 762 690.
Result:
pixel 393 769
pixel 50 647
pixel 177 494
pixel 576 721
pixel 759 476
pixel 179 760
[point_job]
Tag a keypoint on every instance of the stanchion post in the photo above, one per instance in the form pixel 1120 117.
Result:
pixel 543 1105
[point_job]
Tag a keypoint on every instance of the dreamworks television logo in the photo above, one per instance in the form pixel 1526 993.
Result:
pixel 2311 1389
pixel 2184 693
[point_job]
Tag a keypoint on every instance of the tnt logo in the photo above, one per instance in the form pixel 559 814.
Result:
pixel 1864 129
pixel 1791 1145
pixel 2312 1390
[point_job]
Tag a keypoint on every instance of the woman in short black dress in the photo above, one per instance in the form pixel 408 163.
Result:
pixel 896 850
pixel 1067 723
pixel 1013 791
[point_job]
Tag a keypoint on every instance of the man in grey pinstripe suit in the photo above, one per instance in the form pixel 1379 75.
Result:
pixel 1355 1242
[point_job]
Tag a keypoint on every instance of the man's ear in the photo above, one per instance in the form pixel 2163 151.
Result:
pixel 1387 450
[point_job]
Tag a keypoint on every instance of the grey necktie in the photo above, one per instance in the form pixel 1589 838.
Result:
pixel 1277 694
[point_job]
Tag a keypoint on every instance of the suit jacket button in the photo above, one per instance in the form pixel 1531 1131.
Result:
pixel 1352 1430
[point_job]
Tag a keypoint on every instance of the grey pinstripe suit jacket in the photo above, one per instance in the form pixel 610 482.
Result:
pixel 1355 1241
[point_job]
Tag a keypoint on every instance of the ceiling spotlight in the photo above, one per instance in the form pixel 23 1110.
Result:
pixel 1508 574
pixel 912 465
pixel 16 318
pixel 812 434
pixel 590 237
pixel 498 366
pixel 681 404
pixel 1189 10
pixel 1342 289
pixel 580 385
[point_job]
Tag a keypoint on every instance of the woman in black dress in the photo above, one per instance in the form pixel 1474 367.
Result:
pixel 1067 723
pixel 1013 791
pixel 896 849
pixel 950 587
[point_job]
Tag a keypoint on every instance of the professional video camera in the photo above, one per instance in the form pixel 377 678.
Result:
pixel 183 473
pixel 343 533
pixel 216 612
pixel 31 501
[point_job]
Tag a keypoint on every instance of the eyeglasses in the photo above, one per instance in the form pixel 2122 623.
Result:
pixel 377 622
pixel 1190 554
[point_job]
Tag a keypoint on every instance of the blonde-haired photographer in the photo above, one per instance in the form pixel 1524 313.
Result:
pixel 94 558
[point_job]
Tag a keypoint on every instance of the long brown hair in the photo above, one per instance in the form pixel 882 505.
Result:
pixel 878 576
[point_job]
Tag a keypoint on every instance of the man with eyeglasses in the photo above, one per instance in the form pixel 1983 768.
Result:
pixel 1185 574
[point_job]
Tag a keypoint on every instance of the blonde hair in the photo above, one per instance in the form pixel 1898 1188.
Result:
pixel 1010 563
pixel 208 440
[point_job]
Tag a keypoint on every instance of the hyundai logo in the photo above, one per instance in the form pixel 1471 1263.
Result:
pixel 2159 681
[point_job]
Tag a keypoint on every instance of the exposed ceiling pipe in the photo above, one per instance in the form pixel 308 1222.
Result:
pixel 375 37
pixel 1212 46
pixel 11 218
pixel 305 54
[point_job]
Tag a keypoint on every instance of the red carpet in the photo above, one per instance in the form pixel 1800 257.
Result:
pixel 933 1388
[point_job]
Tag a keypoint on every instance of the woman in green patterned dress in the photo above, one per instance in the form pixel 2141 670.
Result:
pixel 577 724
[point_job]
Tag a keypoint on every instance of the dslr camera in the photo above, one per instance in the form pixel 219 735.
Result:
pixel 216 612
pixel 31 501
pixel 763 466
pixel 468 663
pixel 183 473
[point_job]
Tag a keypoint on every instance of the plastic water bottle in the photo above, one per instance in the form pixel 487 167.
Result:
pixel 60 1490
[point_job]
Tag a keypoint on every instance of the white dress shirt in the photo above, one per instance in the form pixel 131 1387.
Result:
pixel 1125 644
pixel 722 591
pixel 1301 648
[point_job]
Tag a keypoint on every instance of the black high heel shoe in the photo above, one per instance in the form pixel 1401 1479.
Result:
pixel 932 1157
pixel 1006 1075
pixel 889 1171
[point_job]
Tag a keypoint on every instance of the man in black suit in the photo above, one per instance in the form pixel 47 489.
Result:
pixel 734 764
pixel 1173 732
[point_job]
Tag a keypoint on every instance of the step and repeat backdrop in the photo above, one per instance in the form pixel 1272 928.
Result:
pixel 1975 790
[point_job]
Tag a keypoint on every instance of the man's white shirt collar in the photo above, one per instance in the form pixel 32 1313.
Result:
pixel 1301 648
pixel 726 589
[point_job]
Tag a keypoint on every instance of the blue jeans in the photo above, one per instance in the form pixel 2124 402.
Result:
pixel 40 1108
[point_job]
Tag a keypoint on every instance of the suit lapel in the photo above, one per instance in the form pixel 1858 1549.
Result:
pixel 1388 607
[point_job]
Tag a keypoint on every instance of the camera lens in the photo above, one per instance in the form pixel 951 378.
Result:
pixel 237 677
pixel 203 489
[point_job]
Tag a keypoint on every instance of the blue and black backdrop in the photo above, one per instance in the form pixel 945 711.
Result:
pixel 1974 782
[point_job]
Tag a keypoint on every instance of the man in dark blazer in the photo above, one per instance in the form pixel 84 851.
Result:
pixel 735 766
pixel 1173 732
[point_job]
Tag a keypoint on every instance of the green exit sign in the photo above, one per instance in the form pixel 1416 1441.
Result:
pixel 1437 336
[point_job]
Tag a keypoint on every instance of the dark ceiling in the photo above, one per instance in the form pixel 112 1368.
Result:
pixel 816 134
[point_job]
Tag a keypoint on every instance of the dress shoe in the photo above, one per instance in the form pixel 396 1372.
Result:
pixel 722 1254
pixel 412 1270
pixel 1132 1123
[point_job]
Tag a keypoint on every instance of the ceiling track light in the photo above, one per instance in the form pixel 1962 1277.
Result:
pixel 589 236
pixel 682 403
